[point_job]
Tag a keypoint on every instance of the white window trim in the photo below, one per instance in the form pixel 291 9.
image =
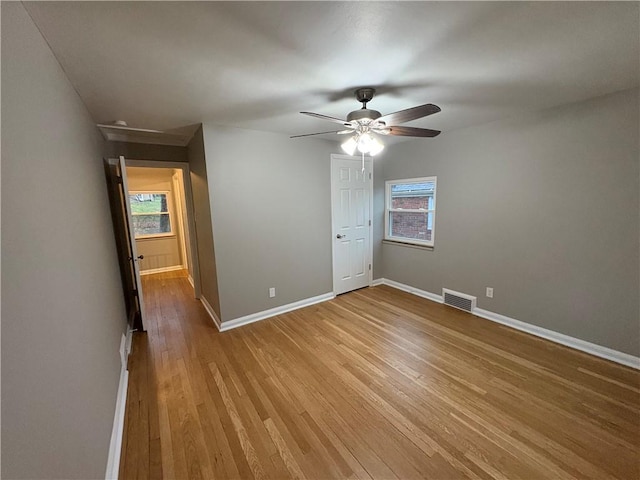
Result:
pixel 169 212
pixel 388 210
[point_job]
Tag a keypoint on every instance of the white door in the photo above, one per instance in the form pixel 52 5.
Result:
pixel 351 196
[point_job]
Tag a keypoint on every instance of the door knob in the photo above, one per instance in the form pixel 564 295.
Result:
pixel 340 236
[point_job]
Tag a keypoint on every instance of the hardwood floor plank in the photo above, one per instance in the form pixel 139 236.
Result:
pixel 334 449
pixel 376 383
pixel 196 448
pixel 245 442
pixel 176 413
pixel 166 446
pixel 225 430
pixel 283 450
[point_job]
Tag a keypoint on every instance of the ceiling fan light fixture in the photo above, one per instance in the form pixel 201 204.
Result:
pixel 375 147
pixel 364 142
pixel 350 145
pixel 367 143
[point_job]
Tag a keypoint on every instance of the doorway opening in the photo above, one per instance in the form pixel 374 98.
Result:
pixel 161 201
pixel 159 217
pixel 153 214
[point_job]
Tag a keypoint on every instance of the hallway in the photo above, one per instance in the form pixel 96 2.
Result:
pixel 374 384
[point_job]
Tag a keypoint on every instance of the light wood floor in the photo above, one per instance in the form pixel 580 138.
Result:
pixel 374 384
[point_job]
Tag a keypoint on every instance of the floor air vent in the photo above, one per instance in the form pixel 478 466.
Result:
pixel 459 300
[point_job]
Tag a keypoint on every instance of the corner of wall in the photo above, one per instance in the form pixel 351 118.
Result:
pixel 200 186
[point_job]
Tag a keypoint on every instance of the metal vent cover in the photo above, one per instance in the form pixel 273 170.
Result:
pixel 459 300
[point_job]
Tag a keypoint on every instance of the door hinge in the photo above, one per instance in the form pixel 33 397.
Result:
pixel 369 222
pixel 369 175
pixel 369 266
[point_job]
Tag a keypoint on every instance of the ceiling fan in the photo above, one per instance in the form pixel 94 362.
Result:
pixel 364 122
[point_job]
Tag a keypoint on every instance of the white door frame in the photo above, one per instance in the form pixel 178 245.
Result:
pixel 358 160
pixel 188 197
pixel 181 215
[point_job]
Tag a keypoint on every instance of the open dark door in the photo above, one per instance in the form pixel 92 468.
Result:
pixel 115 171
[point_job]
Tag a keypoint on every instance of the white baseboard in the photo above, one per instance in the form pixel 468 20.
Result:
pixel 256 317
pixel 150 271
pixel 117 432
pixel 211 312
pixel 416 291
pixel 128 342
pixel 190 279
pixel 562 339
pixel 115 448
pixel 556 337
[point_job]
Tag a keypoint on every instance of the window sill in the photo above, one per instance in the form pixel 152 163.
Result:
pixel 156 237
pixel 407 244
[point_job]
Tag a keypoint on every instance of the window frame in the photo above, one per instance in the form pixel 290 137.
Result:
pixel 169 212
pixel 388 210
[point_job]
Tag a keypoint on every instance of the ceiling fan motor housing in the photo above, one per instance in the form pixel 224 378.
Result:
pixel 363 113
pixel 365 94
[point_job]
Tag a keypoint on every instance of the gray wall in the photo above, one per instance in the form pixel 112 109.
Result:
pixel 544 209
pixel 377 216
pixel 62 307
pixel 202 211
pixel 271 209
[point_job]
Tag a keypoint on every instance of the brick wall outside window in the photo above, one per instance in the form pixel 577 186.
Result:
pixel 409 224
pixel 409 202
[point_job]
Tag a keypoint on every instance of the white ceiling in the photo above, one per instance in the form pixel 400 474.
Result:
pixel 161 65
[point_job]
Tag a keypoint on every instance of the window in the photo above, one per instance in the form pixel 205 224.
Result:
pixel 410 212
pixel 150 214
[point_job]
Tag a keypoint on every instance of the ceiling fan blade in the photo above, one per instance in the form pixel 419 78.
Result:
pixel 409 114
pixel 319 133
pixel 413 132
pixel 325 117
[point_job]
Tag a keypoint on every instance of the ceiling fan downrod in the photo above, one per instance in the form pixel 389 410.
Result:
pixel 364 115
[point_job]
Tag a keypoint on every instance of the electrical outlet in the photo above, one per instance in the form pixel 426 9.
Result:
pixel 272 292
pixel 489 292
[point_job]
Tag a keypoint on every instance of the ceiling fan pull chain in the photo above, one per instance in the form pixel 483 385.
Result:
pixel 362 162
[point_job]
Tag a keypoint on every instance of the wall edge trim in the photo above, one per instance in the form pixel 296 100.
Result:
pixel 553 336
pixel 211 312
